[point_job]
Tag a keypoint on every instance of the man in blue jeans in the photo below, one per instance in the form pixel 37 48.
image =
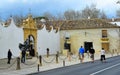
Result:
pixel 81 53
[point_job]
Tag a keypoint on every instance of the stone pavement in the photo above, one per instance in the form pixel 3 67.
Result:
pixel 31 65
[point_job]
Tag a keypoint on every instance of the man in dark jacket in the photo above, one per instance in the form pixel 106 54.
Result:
pixel 9 56
pixel 92 52
pixel 23 56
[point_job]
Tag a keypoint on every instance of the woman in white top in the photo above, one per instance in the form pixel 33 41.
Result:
pixel 103 55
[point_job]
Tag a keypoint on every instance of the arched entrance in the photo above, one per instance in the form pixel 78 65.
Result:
pixel 32 45
pixel 30 33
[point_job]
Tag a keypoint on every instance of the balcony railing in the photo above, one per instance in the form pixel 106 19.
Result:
pixel 104 39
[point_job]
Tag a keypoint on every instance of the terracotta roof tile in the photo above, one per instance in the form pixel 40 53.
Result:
pixel 79 24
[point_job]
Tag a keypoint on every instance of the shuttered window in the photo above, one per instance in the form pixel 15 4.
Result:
pixel 104 33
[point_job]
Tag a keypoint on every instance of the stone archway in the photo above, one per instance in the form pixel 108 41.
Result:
pixel 30 32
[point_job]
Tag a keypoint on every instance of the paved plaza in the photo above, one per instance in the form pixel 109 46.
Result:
pixel 31 65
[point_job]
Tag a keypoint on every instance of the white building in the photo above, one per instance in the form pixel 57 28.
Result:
pixel 88 33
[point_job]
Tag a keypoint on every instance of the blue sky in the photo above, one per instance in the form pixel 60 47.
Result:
pixel 9 7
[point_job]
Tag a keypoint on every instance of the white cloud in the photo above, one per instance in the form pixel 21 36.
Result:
pixel 53 5
pixel 106 3
pixel 5 2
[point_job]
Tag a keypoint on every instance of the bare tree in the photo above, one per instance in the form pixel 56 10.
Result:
pixel 103 15
pixel 70 15
pixel 49 16
pixel 118 13
pixel 78 15
pixel 18 19
pixel 60 16
pixel 91 12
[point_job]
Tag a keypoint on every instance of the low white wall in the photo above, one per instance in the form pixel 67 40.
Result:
pixel 10 37
pixel 49 40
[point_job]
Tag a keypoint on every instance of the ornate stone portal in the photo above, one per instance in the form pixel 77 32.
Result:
pixel 30 32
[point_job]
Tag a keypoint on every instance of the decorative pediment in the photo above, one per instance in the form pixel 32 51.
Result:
pixel 29 22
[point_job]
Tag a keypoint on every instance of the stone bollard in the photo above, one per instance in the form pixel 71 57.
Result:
pixel 40 60
pixel 18 64
pixel 47 52
pixel 112 52
pixel 38 67
pixel 63 63
pixel 116 51
pixel 69 56
pixel 58 53
pixel 56 58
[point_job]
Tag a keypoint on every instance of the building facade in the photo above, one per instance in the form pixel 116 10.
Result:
pixel 90 33
pixel 59 36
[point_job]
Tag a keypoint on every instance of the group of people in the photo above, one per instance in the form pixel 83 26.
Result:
pixel 81 54
pixel 9 56
pixel 92 52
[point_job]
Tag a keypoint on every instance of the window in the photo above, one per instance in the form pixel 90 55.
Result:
pixel 104 33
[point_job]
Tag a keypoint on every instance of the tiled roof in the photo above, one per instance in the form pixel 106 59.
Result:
pixel 78 24
pixel 87 24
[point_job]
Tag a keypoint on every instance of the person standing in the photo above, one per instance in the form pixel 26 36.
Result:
pixel 23 56
pixel 9 56
pixel 81 53
pixel 92 52
pixel 103 55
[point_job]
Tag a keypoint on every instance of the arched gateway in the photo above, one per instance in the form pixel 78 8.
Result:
pixel 30 34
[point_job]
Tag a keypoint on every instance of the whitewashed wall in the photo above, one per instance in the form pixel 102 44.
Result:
pixel 114 38
pixel 115 34
pixel 10 37
pixel 49 40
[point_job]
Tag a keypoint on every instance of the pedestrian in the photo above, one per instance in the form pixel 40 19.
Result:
pixel 92 52
pixel 47 52
pixel 103 55
pixel 23 56
pixel 81 53
pixel 9 56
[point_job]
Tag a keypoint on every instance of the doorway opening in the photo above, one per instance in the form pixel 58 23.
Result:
pixel 32 45
pixel 88 45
